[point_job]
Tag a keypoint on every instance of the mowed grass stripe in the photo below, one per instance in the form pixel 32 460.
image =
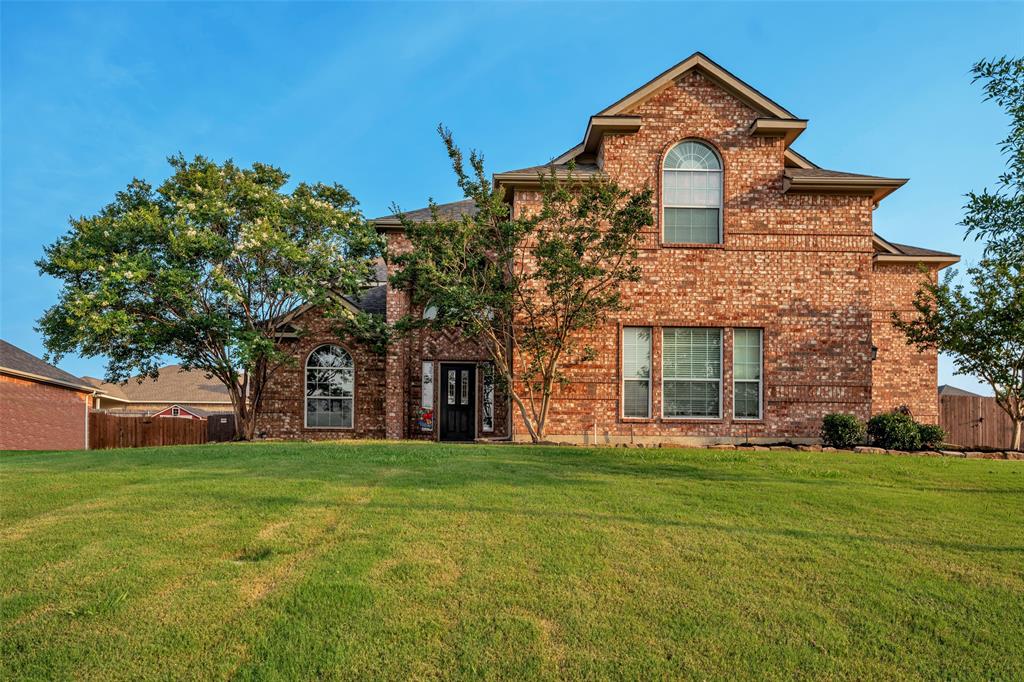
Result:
pixel 392 560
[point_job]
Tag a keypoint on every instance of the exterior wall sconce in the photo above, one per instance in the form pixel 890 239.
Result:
pixel 874 353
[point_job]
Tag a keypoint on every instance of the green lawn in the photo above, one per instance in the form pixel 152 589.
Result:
pixel 385 560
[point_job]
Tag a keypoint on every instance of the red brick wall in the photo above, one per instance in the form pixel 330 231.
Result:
pixel 798 266
pixel 283 413
pixel 902 375
pixel 405 361
pixel 37 416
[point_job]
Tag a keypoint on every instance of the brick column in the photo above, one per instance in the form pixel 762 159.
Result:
pixel 396 366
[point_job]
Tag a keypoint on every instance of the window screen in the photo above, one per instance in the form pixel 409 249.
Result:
pixel 636 372
pixel 746 371
pixel 691 361
pixel 692 195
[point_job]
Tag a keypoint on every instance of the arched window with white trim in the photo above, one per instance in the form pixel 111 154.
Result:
pixel 330 388
pixel 692 195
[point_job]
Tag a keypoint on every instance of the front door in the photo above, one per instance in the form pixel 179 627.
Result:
pixel 458 401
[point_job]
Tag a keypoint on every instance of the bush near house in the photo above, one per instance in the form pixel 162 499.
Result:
pixel 894 431
pixel 842 430
pixel 890 430
pixel 932 435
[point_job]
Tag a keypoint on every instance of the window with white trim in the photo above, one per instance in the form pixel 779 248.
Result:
pixel 692 195
pixel 330 388
pixel 636 372
pixel 691 372
pixel 746 373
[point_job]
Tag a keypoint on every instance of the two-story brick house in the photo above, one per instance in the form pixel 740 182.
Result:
pixel 765 300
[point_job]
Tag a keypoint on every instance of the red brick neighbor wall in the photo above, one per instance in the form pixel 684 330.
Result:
pixel 797 266
pixel 39 416
pixel 902 375
pixel 283 413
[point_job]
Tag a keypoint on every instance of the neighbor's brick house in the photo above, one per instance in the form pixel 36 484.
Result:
pixel 765 300
pixel 42 407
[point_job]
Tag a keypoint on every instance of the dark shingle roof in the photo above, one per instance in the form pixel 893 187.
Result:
pixel 450 210
pixel 17 360
pixel 825 173
pixel 561 170
pixel 373 300
pixel 908 250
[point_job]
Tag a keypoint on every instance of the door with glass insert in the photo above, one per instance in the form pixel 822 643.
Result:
pixel 458 401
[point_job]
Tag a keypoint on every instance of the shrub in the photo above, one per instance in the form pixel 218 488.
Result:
pixel 894 431
pixel 931 435
pixel 841 430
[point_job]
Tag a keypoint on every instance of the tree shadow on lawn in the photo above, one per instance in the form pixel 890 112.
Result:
pixel 549 513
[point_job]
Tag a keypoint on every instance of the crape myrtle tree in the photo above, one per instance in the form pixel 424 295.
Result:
pixel 203 268
pixel 982 329
pixel 525 286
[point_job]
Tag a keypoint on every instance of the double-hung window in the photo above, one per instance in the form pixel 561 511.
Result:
pixel 691 363
pixel 692 195
pixel 746 372
pixel 636 372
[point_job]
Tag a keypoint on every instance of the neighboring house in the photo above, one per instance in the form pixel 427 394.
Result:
pixel 764 304
pixel 182 412
pixel 41 407
pixel 174 387
pixel 946 389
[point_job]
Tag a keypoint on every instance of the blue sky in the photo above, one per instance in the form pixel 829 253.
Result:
pixel 94 94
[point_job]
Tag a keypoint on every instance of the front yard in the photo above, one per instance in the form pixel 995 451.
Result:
pixel 418 560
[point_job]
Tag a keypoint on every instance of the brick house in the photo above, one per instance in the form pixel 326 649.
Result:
pixel 173 391
pixel 765 300
pixel 42 407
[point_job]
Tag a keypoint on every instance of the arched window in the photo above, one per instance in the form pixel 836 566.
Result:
pixel 330 388
pixel 692 195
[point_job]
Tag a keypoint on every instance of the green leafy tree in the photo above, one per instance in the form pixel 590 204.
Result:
pixel 998 215
pixel 525 286
pixel 202 269
pixel 982 331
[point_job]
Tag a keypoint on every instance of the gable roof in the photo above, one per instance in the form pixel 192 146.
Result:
pixel 194 411
pixel 946 389
pixel 698 61
pixel 18 362
pixel 701 62
pixel 373 301
pixel 174 385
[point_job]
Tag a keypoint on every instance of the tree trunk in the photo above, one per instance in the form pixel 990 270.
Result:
pixel 525 414
pixel 1016 433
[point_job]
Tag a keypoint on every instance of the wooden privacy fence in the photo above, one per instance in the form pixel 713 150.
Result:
pixel 974 422
pixel 128 431
pixel 220 427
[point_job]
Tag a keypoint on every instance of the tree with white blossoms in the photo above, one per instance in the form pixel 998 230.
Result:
pixel 202 269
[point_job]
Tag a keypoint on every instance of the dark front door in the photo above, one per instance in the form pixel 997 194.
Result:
pixel 458 401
